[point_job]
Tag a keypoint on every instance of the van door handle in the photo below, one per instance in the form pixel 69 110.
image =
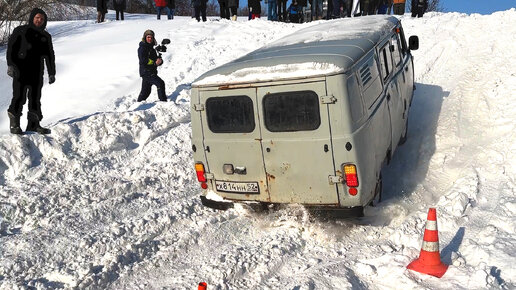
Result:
pixel 326 149
pixel 406 68
pixel 388 97
pixel 268 149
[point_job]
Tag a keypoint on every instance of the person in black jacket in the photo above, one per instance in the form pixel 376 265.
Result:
pixel 149 62
pixel 255 8
pixel 101 10
pixel 419 7
pixel 119 6
pixel 200 9
pixel 28 49
pixel 171 5
pixel 224 9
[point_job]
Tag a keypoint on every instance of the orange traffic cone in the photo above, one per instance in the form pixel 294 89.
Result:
pixel 202 286
pixel 429 261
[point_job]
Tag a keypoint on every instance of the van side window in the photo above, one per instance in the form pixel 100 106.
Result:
pixel 396 52
pixel 385 61
pixel 291 111
pixel 233 114
pixel 370 80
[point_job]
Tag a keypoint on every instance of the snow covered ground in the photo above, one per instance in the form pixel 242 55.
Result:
pixel 110 199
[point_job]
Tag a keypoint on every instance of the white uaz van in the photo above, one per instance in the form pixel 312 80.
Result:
pixel 308 119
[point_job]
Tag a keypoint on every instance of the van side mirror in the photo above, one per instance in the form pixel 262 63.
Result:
pixel 413 42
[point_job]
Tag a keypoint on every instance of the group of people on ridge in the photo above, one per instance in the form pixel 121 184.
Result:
pixel 339 8
pixel 277 9
pixel 120 5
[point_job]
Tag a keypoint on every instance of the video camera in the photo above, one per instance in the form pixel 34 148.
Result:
pixel 162 47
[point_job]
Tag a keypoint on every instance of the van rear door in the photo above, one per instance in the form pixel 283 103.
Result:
pixel 296 140
pixel 231 130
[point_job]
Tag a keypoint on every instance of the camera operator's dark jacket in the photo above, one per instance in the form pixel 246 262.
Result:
pixel 29 47
pixel 147 56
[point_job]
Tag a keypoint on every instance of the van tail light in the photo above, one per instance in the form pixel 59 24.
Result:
pixel 350 170
pixel 201 177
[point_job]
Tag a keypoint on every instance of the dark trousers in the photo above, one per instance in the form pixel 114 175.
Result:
pixel 101 16
pixel 399 9
pixel 26 88
pixel 418 8
pixel 147 82
pixel 282 10
pixel 121 12
pixel 224 10
pixel 200 10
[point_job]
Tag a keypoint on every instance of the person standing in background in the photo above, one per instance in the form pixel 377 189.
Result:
pixel 200 9
pixel 271 10
pixel 419 7
pixel 119 6
pixel 389 7
pixel 171 5
pixel 364 7
pixel 233 8
pixel 399 7
pixel 101 10
pixel 160 4
pixel 224 9
pixel 255 8
pixel 282 10
pixel 29 49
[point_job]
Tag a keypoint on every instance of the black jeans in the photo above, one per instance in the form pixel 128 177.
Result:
pixel 26 88
pixel 121 12
pixel 147 82
pixel 200 10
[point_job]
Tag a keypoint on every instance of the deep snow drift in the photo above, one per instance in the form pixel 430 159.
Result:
pixel 110 200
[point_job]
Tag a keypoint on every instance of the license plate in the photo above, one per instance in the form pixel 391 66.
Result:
pixel 238 187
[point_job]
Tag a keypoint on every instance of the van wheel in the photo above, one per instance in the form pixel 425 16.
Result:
pixel 377 192
pixel 403 138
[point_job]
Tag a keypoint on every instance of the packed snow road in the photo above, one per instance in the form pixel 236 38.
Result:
pixel 110 200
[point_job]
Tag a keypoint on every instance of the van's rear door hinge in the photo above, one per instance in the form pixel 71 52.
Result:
pixel 333 179
pixel 199 107
pixel 328 100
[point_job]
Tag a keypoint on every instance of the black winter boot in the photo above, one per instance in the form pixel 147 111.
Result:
pixel 33 124
pixel 14 124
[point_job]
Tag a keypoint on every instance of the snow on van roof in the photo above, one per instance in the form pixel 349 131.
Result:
pixel 269 73
pixel 327 48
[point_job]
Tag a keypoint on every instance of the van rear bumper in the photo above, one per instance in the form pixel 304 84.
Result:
pixel 323 212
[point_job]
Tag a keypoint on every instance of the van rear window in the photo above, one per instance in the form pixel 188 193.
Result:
pixel 292 111
pixel 233 114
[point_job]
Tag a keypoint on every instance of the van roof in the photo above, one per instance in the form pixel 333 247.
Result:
pixel 325 48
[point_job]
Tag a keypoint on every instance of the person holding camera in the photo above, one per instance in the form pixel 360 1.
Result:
pixel 28 50
pixel 149 62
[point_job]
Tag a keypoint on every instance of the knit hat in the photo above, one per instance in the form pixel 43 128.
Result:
pixel 149 32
